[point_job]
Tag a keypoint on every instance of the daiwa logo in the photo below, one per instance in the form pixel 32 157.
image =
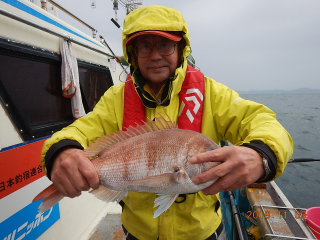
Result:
pixel 194 100
pixel 28 223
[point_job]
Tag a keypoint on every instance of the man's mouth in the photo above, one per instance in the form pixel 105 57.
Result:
pixel 156 68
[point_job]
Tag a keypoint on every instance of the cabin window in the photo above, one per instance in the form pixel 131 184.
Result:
pixel 94 82
pixel 30 90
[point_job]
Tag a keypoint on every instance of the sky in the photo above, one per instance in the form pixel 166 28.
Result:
pixel 246 45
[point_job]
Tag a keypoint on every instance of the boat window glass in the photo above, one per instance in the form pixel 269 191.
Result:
pixel 34 89
pixel 94 83
pixel 30 90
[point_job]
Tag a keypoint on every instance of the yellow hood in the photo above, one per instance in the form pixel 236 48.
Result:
pixel 153 18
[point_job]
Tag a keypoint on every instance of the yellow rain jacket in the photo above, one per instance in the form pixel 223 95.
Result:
pixel 226 116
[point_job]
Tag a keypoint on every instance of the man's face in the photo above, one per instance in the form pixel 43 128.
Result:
pixel 157 68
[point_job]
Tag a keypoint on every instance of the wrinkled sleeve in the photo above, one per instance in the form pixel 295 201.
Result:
pixel 242 121
pixel 102 120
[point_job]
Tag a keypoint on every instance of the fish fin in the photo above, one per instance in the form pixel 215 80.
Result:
pixel 108 195
pixel 153 181
pixel 51 196
pixel 164 202
pixel 165 124
pixel 148 126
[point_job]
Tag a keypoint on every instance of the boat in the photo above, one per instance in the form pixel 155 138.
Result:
pixel 32 108
pixel 262 211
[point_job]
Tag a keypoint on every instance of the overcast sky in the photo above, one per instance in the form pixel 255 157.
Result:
pixel 246 45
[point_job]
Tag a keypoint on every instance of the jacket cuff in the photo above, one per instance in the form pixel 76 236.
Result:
pixel 55 149
pixel 265 151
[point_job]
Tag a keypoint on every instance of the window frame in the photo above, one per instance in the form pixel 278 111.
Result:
pixel 16 115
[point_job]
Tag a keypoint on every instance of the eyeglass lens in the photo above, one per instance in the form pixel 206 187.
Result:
pixel 164 48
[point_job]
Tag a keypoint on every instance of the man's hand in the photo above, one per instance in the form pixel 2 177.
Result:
pixel 240 166
pixel 73 172
pixel 118 59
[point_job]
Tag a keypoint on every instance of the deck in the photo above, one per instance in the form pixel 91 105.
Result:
pixel 109 227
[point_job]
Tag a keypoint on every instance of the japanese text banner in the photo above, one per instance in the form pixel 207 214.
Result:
pixel 19 167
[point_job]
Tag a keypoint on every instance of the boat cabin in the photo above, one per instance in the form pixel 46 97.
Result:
pixel 33 108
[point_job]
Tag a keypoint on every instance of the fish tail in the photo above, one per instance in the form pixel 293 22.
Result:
pixel 50 196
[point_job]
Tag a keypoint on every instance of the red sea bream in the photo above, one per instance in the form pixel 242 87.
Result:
pixel 153 157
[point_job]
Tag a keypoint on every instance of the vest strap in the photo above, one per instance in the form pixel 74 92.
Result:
pixel 191 99
pixel 134 110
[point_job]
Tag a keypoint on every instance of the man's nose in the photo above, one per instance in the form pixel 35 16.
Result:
pixel 155 53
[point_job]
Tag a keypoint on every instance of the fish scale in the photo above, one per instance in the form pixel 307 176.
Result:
pixel 153 157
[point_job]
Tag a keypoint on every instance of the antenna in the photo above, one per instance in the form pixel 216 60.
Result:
pixel 129 5
pixel 132 5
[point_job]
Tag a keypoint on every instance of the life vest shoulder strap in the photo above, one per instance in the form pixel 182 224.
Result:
pixel 191 99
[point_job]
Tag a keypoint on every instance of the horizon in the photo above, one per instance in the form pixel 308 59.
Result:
pixel 306 90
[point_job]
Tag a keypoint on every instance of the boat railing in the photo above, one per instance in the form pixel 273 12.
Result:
pixel 48 30
pixel 104 42
pixel 296 214
pixel 94 31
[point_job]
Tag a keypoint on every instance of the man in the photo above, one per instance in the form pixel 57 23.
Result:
pixel 156 45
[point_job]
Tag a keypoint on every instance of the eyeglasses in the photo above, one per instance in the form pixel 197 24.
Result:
pixel 143 50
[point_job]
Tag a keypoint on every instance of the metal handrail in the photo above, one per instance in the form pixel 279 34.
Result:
pixel 270 225
pixel 45 29
pixel 104 42
pixel 72 15
pixel 286 202
pixel 286 237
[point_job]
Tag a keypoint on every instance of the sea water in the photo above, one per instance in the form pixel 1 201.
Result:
pixel 299 114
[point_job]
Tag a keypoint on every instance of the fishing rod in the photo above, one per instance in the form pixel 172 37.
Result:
pixel 293 160
pixel 236 216
pixel 116 23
